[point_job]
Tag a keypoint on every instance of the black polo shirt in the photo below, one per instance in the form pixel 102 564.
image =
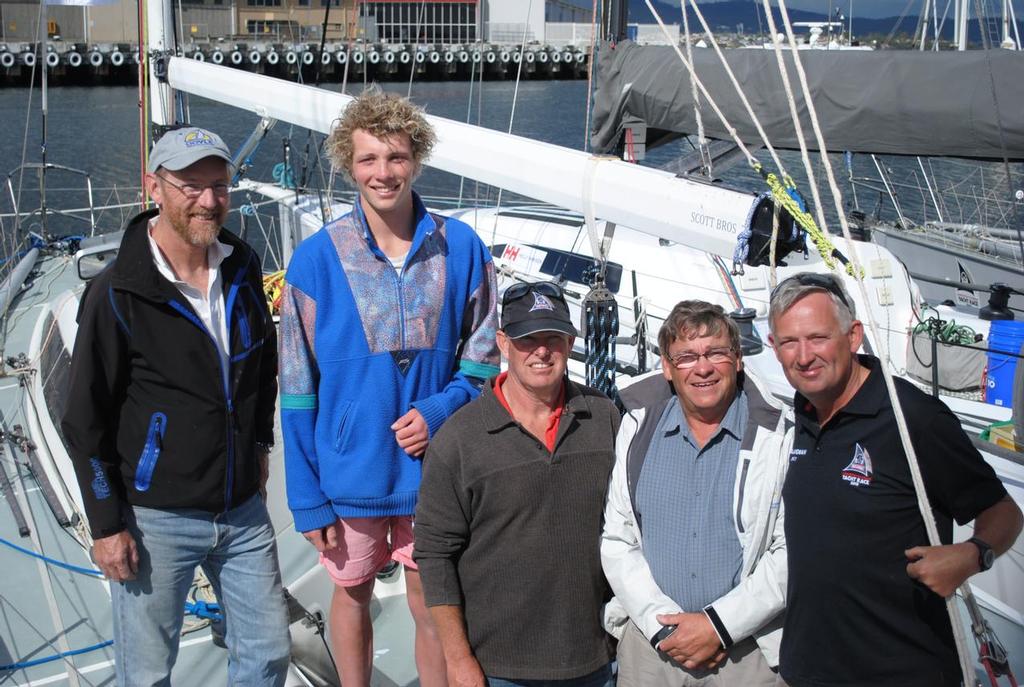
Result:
pixel 853 615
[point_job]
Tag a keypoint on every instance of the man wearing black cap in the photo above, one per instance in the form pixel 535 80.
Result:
pixel 508 524
pixel 169 420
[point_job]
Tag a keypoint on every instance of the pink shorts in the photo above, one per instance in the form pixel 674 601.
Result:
pixel 364 548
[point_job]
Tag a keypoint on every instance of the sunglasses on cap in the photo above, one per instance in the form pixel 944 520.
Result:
pixel 544 288
pixel 821 281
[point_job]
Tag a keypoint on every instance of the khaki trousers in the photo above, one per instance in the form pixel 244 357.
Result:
pixel 640 665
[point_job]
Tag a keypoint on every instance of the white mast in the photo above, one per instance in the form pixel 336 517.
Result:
pixel 160 39
pixel 962 12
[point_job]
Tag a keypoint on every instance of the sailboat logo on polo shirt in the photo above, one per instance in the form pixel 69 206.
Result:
pixel 540 302
pixel 858 472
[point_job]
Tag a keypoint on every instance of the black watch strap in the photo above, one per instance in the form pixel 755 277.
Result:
pixel 986 556
pixel 661 635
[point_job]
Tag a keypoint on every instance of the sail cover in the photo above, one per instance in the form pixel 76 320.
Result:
pixel 902 102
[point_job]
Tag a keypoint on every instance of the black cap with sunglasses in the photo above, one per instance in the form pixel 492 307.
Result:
pixel 531 308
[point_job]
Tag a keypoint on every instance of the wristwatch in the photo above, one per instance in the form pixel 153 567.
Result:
pixel 986 556
pixel 661 635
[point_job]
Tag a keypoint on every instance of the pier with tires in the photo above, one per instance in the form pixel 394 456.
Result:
pixel 117 63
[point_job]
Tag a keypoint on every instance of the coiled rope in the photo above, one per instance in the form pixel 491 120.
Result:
pixel 600 327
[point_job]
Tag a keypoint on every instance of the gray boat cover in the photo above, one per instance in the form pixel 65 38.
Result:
pixel 899 102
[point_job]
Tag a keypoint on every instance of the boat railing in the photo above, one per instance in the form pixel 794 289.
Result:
pixel 946 191
pixel 44 212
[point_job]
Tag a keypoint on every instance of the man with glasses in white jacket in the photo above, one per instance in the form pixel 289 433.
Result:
pixel 693 542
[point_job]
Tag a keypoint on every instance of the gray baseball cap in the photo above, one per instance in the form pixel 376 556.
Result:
pixel 179 148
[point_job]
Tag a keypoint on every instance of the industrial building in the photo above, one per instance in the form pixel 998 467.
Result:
pixel 385 21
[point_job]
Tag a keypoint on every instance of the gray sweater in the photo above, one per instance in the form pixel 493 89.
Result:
pixel 512 533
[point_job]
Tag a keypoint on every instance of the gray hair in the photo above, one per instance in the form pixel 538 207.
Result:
pixel 791 290
pixel 693 319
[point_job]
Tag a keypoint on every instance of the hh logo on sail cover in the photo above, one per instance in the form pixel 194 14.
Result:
pixel 858 472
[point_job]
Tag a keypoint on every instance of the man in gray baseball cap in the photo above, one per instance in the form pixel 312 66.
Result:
pixel 180 148
pixel 172 421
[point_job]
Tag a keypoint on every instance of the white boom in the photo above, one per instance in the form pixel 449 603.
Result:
pixel 696 214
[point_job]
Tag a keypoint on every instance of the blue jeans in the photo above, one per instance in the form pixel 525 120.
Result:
pixel 236 550
pixel 602 677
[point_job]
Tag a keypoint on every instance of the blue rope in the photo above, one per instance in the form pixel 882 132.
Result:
pixel 52 561
pixel 55 657
pixel 284 175
pixel 202 609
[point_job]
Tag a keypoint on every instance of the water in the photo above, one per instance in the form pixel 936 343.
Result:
pixel 97 129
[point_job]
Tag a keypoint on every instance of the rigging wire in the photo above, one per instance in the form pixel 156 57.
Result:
pixel 418 29
pixel 702 140
pixel 512 114
pixel 590 77
pixel 924 504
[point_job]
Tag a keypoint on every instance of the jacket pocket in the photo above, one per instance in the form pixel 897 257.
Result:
pixel 243 330
pixel 150 451
pixel 341 435
pixel 739 497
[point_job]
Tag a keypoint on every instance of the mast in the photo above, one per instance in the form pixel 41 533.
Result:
pixel 160 41
pixel 963 9
pixel 616 13
pixel 41 60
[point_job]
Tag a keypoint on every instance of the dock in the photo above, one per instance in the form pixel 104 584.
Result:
pixel 108 64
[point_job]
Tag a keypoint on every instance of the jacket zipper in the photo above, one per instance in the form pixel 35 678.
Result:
pixel 226 382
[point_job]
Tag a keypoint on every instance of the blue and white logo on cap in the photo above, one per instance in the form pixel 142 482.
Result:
pixel 540 302
pixel 198 138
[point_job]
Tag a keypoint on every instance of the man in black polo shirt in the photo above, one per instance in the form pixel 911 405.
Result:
pixel 865 592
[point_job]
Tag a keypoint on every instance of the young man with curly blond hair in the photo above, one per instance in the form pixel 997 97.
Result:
pixel 387 328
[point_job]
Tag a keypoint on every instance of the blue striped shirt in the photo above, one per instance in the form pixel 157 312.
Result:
pixel 684 499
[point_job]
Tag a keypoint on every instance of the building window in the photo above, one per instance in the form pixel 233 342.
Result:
pixel 263 3
pixel 423 22
pixel 280 30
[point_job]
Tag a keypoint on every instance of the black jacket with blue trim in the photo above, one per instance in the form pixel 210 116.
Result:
pixel 148 419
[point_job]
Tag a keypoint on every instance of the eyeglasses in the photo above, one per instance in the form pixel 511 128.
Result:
pixel 715 356
pixel 544 288
pixel 193 191
pixel 822 281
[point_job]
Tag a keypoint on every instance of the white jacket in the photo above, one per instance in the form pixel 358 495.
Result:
pixel 755 606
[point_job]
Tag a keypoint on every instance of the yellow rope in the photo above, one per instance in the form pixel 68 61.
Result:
pixel 822 243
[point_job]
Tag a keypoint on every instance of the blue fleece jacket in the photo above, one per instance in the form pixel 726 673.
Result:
pixel 361 344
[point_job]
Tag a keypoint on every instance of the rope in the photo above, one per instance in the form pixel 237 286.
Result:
pixel 601 326
pixel 284 175
pixel 946 331
pixel 784 193
pixel 901 422
pixel 701 139
pixel 55 657
pixel 795 117
pixel 52 561
pixel 822 241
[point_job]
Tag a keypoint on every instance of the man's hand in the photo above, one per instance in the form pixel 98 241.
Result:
pixel 694 644
pixel 465 672
pixel 942 568
pixel 116 556
pixel 412 433
pixel 263 460
pixel 324 538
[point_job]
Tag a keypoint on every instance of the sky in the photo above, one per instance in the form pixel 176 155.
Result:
pixel 873 8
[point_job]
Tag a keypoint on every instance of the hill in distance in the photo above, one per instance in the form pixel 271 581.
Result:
pixel 730 14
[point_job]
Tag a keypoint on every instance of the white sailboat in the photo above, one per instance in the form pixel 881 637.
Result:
pixel 659 239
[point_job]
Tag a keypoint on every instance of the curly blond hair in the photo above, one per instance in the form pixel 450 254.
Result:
pixel 381 115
